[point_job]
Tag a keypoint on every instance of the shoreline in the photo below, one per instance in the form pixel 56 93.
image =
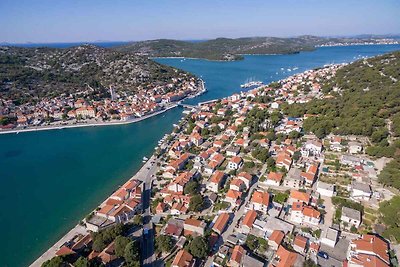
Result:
pixel 61 127
pixel 113 123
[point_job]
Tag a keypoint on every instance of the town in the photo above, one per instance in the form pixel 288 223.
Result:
pixel 82 108
pixel 238 183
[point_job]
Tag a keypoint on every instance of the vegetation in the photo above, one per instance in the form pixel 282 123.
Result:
pixel 390 175
pixel 103 238
pixel 196 203
pixel 368 94
pixel 164 243
pixel 256 244
pixel 131 254
pixel 120 244
pixel 30 74
pixel 390 217
pixel 199 247
pixel 226 48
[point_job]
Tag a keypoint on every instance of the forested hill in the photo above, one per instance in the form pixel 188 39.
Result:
pixel 27 74
pixel 232 49
pixel 366 101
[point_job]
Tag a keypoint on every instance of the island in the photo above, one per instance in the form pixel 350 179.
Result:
pixel 301 172
pixel 228 49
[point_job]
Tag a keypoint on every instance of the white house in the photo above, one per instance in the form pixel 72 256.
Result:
pixel 355 147
pixel 360 191
pixel 235 163
pixel 351 216
pixel 326 190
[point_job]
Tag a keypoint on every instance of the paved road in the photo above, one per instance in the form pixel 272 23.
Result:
pixel 237 216
pixel 145 174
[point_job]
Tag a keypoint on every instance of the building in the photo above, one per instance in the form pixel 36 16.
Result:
pixel 274 179
pixel 237 255
pixel 183 259
pixel 326 190
pixel 329 237
pixel 351 217
pixel 286 258
pixel 221 223
pixel 259 201
pixel 300 244
pixel 235 163
pixel 248 221
pixel 216 181
pixel 246 178
pixel 275 239
pixel 360 191
pixel 193 227
pixel 369 250
pixel 355 147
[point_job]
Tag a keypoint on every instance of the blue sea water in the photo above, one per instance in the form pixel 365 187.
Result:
pixel 52 179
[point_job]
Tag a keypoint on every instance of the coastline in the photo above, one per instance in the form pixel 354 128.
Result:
pixel 47 128
pixel 111 123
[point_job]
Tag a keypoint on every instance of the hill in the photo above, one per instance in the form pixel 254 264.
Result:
pixel 232 49
pixel 29 74
pixel 363 98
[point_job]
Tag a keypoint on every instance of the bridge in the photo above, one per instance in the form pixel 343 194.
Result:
pixel 188 106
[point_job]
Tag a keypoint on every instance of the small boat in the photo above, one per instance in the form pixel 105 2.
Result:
pixel 145 159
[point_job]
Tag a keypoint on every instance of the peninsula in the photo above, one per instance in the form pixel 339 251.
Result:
pixel 288 174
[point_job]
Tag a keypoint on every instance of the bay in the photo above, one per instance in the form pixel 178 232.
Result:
pixel 49 180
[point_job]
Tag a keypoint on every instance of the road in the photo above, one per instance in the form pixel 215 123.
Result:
pixel 145 174
pixel 238 215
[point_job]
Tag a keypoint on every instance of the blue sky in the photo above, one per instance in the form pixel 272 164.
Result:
pixel 129 20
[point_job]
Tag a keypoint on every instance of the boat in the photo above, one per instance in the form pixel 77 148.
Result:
pixel 251 83
pixel 145 159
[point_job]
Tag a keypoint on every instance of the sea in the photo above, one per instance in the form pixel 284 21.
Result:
pixel 50 180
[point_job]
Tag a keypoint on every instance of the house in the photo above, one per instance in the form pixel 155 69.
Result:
pixel 360 191
pixel 248 221
pixel 248 260
pixel 329 237
pixel 237 185
pixel 193 227
pixel 326 190
pixel 355 147
pixel 283 160
pixel 259 201
pixel 298 196
pixel 221 223
pixel 313 146
pixel 311 215
pixel 183 259
pixel 369 250
pixel 237 255
pixel 274 178
pixel 246 178
pixel 350 160
pixel 351 216
pixel 233 197
pixel 235 163
pixel 233 151
pixel 173 228
pixel 275 239
pixel 286 258
pixel 300 244
pixel 178 209
pixel 216 181
pixel 294 179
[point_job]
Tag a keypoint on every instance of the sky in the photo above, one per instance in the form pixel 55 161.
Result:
pixel 41 21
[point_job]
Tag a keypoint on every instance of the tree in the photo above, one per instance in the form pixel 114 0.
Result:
pixel 131 254
pixel 138 220
pixel 120 244
pixel 196 203
pixel 164 243
pixel 191 188
pixel 82 262
pixel 199 247
pixel 57 261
